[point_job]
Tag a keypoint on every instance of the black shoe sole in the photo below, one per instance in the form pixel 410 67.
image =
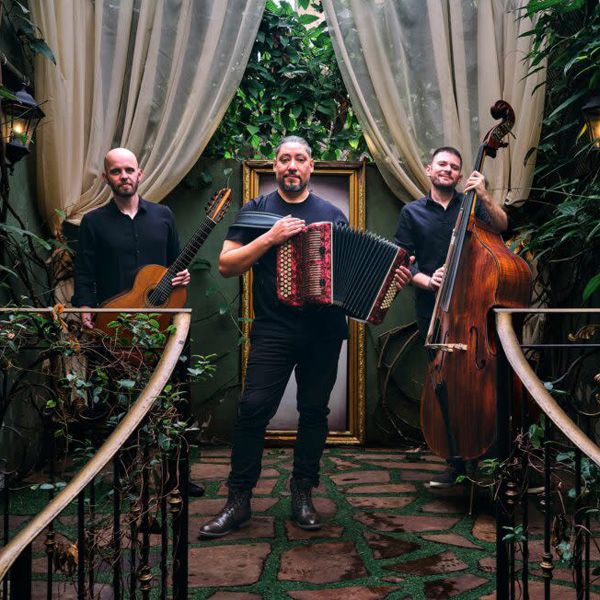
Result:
pixel 309 527
pixel 202 534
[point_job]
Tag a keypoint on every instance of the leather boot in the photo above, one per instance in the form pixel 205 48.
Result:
pixel 236 514
pixel 305 515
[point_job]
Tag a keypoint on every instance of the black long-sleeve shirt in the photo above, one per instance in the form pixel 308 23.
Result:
pixel 112 247
pixel 424 231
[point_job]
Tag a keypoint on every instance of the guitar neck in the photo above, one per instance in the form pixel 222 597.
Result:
pixel 188 253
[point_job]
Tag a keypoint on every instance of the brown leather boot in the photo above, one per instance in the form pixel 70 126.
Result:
pixel 304 513
pixel 236 514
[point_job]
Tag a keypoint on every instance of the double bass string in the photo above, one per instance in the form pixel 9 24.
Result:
pixel 461 232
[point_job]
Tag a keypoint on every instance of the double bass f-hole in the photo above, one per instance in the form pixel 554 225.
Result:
pixel 479 364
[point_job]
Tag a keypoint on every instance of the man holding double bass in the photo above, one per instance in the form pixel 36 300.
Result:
pixel 425 229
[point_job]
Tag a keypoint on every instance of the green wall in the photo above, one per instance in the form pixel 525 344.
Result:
pixel 214 402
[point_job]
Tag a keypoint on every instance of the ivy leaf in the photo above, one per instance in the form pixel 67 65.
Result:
pixel 39 46
pixel 4 93
pixel 307 19
pixel 592 285
pixel 3 268
pixel 252 129
pixel 126 383
pixel 23 232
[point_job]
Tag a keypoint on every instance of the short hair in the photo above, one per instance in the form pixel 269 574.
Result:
pixel 450 150
pixel 293 139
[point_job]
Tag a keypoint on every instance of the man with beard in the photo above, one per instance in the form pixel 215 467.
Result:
pixel 122 236
pixel 283 339
pixel 424 230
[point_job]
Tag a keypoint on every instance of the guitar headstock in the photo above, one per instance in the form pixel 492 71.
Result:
pixel 218 205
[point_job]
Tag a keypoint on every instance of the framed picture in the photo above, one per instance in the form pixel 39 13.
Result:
pixel 343 184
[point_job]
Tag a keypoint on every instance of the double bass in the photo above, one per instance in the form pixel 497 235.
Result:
pixel 458 405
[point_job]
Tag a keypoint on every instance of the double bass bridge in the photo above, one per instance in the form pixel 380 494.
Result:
pixel 447 347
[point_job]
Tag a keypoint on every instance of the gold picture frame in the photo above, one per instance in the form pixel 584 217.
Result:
pixel 346 182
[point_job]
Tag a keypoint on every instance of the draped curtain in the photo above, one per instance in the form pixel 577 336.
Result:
pixel 154 76
pixel 424 73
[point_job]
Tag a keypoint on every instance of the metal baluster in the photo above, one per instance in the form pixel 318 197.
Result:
pixel 525 500
pixel 503 399
pixel 577 523
pixel 588 581
pixel 546 564
pixel 164 532
pixel 6 508
pixel 81 546
pixel 91 535
pixel 135 513
pixel 180 520
pixel 50 542
pixel 20 576
pixel 116 541
pixel 145 573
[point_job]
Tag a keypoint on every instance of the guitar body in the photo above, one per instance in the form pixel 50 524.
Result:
pixel 146 280
pixel 151 277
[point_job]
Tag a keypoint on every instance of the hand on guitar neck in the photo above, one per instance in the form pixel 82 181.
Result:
pixel 182 278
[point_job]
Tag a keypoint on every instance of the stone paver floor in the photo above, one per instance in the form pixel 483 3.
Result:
pixel 386 534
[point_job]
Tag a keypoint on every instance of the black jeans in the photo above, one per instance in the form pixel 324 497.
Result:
pixel 270 366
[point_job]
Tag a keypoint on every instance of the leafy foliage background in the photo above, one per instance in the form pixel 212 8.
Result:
pixel 292 85
pixel 563 232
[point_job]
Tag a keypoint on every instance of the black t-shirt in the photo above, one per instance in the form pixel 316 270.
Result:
pixel 273 318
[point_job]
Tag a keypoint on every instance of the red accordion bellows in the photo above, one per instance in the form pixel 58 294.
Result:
pixel 331 263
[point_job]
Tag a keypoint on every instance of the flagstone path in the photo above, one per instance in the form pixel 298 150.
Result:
pixel 386 535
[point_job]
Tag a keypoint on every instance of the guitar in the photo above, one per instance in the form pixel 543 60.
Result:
pixel 152 286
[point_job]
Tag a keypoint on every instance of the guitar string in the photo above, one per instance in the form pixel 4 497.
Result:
pixel 165 286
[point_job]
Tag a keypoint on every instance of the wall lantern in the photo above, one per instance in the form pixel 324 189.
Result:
pixel 20 117
pixel 591 112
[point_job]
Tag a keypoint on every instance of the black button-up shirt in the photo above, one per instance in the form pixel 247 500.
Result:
pixel 424 231
pixel 112 247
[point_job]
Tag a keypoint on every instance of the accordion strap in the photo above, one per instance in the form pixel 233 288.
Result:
pixel 255 219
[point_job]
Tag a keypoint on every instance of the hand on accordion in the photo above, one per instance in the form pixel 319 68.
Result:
pixel 284 229
pixel 403 275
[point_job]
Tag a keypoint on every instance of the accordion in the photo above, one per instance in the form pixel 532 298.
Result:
pixel 333 264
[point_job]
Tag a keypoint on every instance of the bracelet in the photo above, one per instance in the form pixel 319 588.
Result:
pixel 429 286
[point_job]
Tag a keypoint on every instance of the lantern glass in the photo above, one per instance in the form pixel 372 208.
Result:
pixel 20 119
pixel 591 112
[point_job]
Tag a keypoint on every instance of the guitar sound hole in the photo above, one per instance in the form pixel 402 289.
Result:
pixel 156 298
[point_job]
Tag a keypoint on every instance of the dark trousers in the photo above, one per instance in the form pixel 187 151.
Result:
pixel 270 366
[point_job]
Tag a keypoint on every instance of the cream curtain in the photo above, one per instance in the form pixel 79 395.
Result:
pixel 155 76
pixel 424 73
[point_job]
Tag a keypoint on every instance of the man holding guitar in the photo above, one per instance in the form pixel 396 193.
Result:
pixel 119 238
pixel 122 236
